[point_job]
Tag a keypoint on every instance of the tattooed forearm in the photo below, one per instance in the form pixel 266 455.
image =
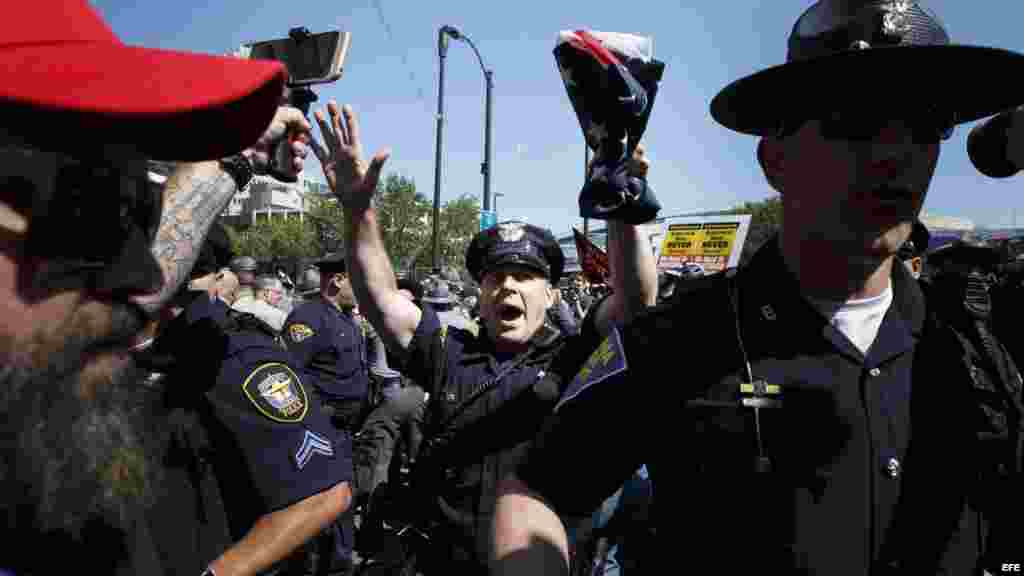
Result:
pixel 195 194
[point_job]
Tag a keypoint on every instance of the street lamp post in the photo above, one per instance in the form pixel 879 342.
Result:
pixel 442 53
pixel 486 167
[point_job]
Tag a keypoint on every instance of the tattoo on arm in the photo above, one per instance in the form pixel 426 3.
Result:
pixel 193 198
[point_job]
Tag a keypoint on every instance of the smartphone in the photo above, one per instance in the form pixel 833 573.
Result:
pixel 309 58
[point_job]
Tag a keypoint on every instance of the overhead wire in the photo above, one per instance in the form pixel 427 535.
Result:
pixel 420 93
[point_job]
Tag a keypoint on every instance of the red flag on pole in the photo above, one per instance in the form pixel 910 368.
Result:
pixel 593 260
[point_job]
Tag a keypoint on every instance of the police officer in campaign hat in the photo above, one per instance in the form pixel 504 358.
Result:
pixel 823 394
pixel 474 382
pixel 328 344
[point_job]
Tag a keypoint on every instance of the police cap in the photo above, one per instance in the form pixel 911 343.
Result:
pixel 439 293
pixel 333 262
pixel 243 264
pixel 309 282
pixel 515 243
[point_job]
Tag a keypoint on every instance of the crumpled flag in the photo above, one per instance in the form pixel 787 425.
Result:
pixel 592 259
pixel 612 80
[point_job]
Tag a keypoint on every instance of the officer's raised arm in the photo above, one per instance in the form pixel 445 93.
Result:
pixel 354 181
pixel 634 274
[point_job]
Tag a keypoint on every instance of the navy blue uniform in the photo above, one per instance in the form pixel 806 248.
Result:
pixel 869 465
pixel 263 440
pixel 271 431
pixel 483 410
pixel 483 406
pixel 329 346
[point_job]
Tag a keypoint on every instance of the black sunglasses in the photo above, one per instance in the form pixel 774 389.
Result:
pixel 865 123
pixel 81 210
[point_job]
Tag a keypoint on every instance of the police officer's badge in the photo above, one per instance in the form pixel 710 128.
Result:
pixel 299 332
pixel 896 18
pixel 608 360
pixel 511 231
pixel 277 393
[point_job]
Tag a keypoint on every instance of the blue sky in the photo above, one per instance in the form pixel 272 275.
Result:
pixel 391 80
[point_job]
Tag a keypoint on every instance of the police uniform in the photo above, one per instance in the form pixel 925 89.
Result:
pixel 329 346
pixel 246 434
pixel 818 459
pixel 483 406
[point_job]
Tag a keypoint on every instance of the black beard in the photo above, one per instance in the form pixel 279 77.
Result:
pixel 72 468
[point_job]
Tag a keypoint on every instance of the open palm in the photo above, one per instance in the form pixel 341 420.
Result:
pixel 349 175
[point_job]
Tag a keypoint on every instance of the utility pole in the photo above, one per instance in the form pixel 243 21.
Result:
pixel 442 53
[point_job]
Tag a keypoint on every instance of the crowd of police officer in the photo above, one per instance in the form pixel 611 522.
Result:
pixel 290 388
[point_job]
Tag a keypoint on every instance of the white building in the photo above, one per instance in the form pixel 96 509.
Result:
pixel 937 222
pixel 267 198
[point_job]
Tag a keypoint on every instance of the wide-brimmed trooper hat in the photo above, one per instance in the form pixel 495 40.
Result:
pixel 885 53
pixel 439 293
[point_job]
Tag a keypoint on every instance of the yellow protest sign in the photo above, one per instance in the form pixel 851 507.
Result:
pixel 714 242
pixel 719 238
pixel 682 240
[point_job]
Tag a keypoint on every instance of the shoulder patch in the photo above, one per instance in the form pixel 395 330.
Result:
pixel 276 392
pixel 605 362
pixel 299 332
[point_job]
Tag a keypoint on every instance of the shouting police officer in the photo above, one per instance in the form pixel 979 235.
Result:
pixel 473 380
pixel 826 396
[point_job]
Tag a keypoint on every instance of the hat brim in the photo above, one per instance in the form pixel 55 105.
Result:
pixel 430 300
pixel 969 81
pixel 169 105
pixel 512 260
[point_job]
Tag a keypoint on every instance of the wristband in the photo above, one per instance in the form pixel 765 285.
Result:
pixel 240 169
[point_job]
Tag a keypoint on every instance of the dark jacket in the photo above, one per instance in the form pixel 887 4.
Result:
pixel 871 464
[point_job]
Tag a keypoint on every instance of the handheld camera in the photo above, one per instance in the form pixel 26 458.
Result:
pixel 310 59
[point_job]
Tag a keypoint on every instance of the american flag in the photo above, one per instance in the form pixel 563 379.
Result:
pixel 593 261
pixel 612 80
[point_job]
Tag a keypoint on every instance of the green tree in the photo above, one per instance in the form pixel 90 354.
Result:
pixel 460 221
pixel 284 238
pixel 327 218
pixel 404 218
pixel 765 222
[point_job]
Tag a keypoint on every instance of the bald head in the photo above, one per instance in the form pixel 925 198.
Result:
pixel 270 289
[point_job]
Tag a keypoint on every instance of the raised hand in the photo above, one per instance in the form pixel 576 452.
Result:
pixel 350 176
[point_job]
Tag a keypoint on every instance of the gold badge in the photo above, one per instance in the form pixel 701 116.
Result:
pixel 299 332
pixel 511 232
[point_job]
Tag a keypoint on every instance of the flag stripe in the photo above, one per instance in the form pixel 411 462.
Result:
pixel 596 49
